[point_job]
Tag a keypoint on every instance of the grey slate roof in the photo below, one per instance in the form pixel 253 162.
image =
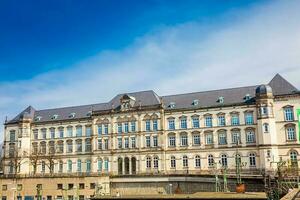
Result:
pixel 149 98
pixel 209 98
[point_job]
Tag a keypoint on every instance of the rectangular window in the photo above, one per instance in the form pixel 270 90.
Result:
pixel 79 166
pixel 250 136
pixel 79 146
pixel 70 131
pixel 196 139
pixel 100 129
pixel 106 143
pixel 70 166
pixel 291 133
pixel 288 114
pixel 120 145
pixel 155 127
pixel 106 165
pixel 184 140
pixel 126 142
pixel 221 120
pixel 126 128
pixel 155 141
pixel 44 133
pixel 209 139
pixel 208 121
pixel 148 142
pixel 61 132
pixel 196 123
pixel 119 128
pixel 222 139
pixel 88 131
pixel 133 126
pixel 172 141
pixel 133 145
pixel 183 123
pixel 249 118
pixel 88 166
pixel 99 144
pixel 81 186
pixel 235 120
pixel 12 136
pixel 70 186
pixel 147 124
pixel 171 124
pixel 78 131
pixel 106 129
pixel 69 146
pixel 59 186
pixel 35 134
pixel 52 133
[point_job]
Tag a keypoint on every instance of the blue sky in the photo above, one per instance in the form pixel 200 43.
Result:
pixel 62 53
pixel 38 36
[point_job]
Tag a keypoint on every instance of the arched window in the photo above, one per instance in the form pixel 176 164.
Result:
pixel 294 159
pixel 173 162
pixel 252 160
pixel 210 160
pixel 155 162
pixel 266 128
pixel 78 165
pixel 148 162
pixel 197 161
pixel 185 161
pixel 99 165
pixel 288 114
pixel 224 162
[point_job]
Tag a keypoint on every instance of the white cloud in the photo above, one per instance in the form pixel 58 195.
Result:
pixel 247 47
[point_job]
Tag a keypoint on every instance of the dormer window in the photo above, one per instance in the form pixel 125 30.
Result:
pixel 127 102
pixel 195 102
pixel 89 113
pixel 221 99
pixel 38 118
pixel 54 116
pixel 247 97
pixel 72 115
pixel 172 105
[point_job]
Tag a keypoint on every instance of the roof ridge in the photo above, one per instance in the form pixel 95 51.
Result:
pixel 210 91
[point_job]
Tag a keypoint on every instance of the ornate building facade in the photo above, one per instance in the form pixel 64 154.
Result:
pixel 142 133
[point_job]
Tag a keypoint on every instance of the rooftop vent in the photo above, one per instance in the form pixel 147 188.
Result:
pixel 72 115
pixel 195 102
pixel 54 116
pixel 172 105
pixel 221 99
